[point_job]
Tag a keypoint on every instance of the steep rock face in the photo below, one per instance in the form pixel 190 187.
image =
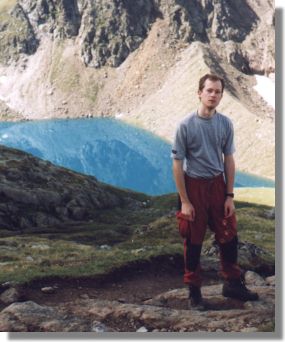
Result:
pixel 35 193
pixel 110 30
pixel 62 16
pixel 17 35
pixel 113 29
pixel 245 32
pixel 202 20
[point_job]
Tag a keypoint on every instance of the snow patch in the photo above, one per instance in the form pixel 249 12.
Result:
pixel 266 88
pixel 119 115
pixel 3 78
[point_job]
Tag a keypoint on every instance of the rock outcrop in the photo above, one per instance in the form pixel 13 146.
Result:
pixel 17 36
pixel 60 18
pixel 165 312
pixel 250 257
pixel 35 193
pixel 110 30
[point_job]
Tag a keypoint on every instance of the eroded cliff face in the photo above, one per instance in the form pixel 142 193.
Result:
pixel 110 30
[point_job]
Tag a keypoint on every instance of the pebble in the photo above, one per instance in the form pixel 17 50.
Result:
pixel 142 329
pixel 105 247
pixel 270 280
pixel 84 296
pixel 253 278
pixel 99 327
pixel 250 329
pixel 40 247
pixel 48 289
pixel 29 258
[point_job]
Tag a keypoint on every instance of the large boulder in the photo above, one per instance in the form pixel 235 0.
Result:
pixel 30 317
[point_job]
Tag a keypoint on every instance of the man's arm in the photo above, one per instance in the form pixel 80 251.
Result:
pixel 229 165
pixel 178 172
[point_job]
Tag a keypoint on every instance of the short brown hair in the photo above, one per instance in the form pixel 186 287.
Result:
pixel 210 77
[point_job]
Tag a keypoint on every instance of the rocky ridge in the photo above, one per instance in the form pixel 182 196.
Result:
pixel 109 31
pixel 34 193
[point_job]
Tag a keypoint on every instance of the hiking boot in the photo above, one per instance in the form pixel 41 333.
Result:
pixel 195 298
pixel 235 288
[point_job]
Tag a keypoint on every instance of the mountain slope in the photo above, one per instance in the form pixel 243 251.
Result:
pixel 141 61
pixel 35 194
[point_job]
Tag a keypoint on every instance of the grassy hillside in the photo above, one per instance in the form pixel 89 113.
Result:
pixel 117 238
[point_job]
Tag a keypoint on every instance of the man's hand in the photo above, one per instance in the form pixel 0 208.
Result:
pixel 229 207
pixel 188 209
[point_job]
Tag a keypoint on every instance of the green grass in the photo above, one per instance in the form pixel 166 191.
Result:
pixel 141 233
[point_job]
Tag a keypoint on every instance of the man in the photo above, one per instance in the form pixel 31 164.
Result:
pixel 204 139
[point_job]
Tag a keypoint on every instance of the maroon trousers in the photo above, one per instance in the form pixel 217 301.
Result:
pixel 208 197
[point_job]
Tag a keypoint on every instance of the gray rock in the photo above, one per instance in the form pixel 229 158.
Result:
pixel 270 214
pixel 29 316
pixel 105 247
pixel 99 327
pixel 270 280
pixel 250 257
pixel 45 195
pixel 142 329
pixel 10 296
pixel 29 258
pixel 48 290
pixel 87 315
pixel 41 247
pixel 249 330
pixel 253 278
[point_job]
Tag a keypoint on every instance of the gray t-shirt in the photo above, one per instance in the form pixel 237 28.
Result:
pixel 203 142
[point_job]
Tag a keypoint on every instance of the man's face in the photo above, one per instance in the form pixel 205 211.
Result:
pixel 211 94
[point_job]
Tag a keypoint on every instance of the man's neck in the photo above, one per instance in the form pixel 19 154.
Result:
pixel 206 113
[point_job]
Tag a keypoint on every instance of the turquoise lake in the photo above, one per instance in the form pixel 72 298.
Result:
pixel 110 150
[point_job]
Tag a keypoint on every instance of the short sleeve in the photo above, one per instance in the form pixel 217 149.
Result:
pixel 179 146
pixel 229 146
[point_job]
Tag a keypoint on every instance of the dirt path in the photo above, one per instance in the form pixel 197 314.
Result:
pixel 134 283
pixel 143 295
